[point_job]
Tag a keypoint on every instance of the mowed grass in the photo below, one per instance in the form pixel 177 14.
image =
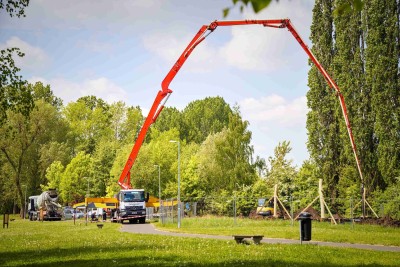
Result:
pixel 321 231
pixel 27 243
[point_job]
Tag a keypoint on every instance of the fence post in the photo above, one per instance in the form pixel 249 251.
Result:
pixel 194 209
pixel 234 210
pixel 6 219
pixel 291 209
pixel 351 212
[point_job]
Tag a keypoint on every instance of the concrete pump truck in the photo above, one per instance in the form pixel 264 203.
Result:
pixel 133 209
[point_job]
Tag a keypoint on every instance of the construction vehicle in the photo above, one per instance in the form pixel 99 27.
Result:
pixel 131 206
pixel 165 92
pixel 45 206
pixel 32 208
pixel 265 207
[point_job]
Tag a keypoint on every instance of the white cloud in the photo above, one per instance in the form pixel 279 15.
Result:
pixel 274 119
pixel 170 47
pixel 274 110
pixel 96 46
pixel 267 49
pixel 70 91
pixel 35 58
pixel 99 14
pixel 255 48
pixel 250 47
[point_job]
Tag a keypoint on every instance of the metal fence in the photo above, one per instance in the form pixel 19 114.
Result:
pixel 286 208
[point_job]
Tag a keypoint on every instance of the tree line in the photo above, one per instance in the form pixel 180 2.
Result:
pixel 80 148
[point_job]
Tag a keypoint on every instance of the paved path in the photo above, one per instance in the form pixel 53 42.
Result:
pixel 148 228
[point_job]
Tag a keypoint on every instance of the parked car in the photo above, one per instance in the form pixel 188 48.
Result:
pixel 68 214
pixel 79 214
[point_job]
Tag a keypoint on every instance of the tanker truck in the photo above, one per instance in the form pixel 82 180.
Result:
pixel 44 207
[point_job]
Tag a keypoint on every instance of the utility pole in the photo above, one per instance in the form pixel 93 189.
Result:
pixel 159 190
pixel 179 182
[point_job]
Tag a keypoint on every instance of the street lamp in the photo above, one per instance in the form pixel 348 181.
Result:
pixel 159 182
pixel 87 192
pixel 24 201
pixel 179 182
pixel 159 190
pixel 87 195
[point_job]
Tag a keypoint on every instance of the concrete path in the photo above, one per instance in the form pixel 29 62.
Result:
pixel 148 228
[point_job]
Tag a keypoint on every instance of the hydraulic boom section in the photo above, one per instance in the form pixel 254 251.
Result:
pixel 205 30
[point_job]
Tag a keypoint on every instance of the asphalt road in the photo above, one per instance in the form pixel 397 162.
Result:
pixel 148 228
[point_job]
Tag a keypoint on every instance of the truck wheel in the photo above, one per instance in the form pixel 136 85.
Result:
pixel 142 220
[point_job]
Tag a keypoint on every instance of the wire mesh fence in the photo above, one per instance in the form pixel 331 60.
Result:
pixel 338 209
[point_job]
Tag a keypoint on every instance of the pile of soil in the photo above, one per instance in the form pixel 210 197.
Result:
pixel 315 215
pixel 384 221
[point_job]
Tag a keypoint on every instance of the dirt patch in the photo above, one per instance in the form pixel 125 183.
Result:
pixel 385 221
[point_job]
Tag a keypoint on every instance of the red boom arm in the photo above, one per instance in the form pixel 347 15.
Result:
pixel 124 180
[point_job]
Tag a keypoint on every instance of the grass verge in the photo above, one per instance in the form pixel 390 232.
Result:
pixel 27 243
pixel 321 231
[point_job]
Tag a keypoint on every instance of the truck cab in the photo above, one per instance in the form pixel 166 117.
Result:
pixel 132 205
pixel 32 208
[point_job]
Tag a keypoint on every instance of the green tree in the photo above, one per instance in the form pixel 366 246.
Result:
pixel 44 92
pixel 77 179
pixel 257 5
pixel 53 151
pixel 192 186
pixel 324 118
pixel 159 151
pixel 102 160
pixel 225 157
pixel 261 166
pixel 169 118
pixel 235 152
pixel 89 120
pixel 281 171
pixel 389 199
pixel 117 117
pixel 349 6
pixel 211 173
pixel 349 74
pixel 14 7
pixel 204 117
pixel 131 125
pixel 306 183
pixel 54 175
pixel 20 138
pixel 14 94
pixel 381 24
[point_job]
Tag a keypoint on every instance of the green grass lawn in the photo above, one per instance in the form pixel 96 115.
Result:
pixel 27 243
pixel 321 231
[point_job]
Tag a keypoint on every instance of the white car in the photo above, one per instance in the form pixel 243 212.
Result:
pixel 67 214
pixel 79 214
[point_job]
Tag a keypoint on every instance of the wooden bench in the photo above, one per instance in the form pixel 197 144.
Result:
pixel 256 238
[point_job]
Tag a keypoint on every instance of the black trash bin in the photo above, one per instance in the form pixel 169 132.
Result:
pixel 305 226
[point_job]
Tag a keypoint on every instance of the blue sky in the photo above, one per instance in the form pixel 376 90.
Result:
pixel 122 50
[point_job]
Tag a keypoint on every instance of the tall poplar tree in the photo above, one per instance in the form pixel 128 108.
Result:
pixel 322 119
pixel 360 49
pixel 382 68
pixel 349 75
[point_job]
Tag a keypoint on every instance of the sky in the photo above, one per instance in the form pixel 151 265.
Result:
pixel 122 50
